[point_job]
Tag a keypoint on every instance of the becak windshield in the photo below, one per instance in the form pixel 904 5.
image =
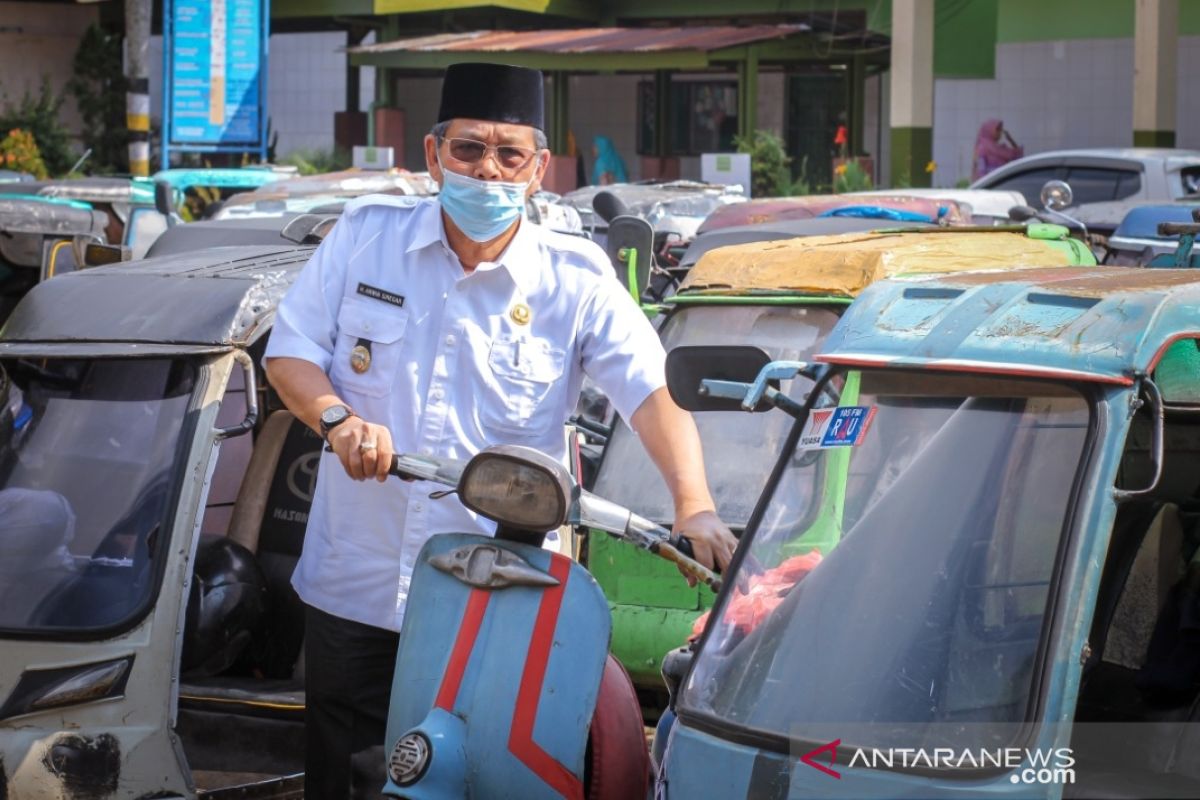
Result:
pixel 918 594
pixel 739 449
pixel 87 463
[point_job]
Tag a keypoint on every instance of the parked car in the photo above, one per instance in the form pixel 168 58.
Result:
pixel 987 206
pixel 1102 176
pixel 1137 240
pixel 897 205
pixel 306 193
pixel 674 208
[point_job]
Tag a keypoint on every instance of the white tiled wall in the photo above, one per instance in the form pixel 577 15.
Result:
pixel 419 98
pixel 1054 95
pixel 306 85
pixel 606 105
pixel 1187 109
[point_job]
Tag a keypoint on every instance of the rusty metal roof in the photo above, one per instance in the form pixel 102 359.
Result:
pixel 844 265
pixel 1093 323
pixel 589 40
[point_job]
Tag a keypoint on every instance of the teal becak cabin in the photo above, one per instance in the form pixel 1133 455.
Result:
pixel 1014 566
pixel 785 297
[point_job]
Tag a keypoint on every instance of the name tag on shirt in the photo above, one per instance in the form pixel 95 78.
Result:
pixel 380 294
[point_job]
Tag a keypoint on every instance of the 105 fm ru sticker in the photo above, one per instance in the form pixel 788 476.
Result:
pixel 836 427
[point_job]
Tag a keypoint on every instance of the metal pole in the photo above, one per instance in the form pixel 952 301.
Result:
pixel 560 112
pixel 137 98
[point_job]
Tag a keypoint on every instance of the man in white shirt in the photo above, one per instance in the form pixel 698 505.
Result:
pixel 441 327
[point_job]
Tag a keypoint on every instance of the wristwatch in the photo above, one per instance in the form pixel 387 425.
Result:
pixel 332 417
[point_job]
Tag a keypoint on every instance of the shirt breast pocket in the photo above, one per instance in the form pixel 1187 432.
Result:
pixel 381 331
pixel 527 374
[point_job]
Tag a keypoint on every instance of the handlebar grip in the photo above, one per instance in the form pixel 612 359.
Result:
pixel 689 565
pixel 399 473
pixel 683 545
pixel 1178 228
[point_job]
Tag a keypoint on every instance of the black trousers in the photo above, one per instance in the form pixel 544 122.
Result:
pixel 348 680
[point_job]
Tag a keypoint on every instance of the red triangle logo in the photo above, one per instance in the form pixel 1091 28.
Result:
pixel 831 748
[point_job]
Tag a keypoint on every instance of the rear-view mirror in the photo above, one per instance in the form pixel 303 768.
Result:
pixel 164 199
pixel 97 255
pixel 630 248
pixel 1022 213
pixel 90 253
pixel 689 367
pixel 1057 195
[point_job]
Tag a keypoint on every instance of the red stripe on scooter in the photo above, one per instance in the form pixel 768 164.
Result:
pixel 468 631
pixel 520 737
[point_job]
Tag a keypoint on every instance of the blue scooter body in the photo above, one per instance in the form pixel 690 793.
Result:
pixel 495 685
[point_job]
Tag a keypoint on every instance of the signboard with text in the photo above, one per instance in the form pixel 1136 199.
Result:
pixel 215 62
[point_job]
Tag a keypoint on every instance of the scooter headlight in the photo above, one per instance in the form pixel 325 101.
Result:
pixel 518 487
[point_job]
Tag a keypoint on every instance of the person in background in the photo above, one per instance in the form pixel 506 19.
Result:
pixel 991 151
pixel 609 167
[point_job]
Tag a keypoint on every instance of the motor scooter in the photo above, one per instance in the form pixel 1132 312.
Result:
pixel 504 686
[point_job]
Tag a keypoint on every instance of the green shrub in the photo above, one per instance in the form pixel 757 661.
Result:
pixel 40 117
pixel 18 152
pixel 314 162
pixel 769 164
pixel 850 177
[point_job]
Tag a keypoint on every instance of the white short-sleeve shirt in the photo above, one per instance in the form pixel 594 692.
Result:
pixel 458 362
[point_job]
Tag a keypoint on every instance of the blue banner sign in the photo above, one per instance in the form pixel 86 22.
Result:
pixel 216 63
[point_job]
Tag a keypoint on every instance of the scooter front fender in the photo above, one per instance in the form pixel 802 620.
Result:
pixel 499 676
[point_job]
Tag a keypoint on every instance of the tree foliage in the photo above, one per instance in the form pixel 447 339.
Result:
pixel 99 85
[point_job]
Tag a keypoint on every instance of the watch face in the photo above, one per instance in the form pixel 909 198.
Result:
pixel 333 415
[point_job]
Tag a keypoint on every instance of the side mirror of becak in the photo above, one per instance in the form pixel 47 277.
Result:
pixel 694 372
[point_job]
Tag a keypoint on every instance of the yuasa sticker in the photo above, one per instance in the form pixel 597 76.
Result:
pixel 836 427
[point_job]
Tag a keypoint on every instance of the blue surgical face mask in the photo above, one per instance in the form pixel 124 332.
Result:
pixel 481 209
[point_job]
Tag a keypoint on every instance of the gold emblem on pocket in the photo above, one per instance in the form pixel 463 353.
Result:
pixel 360 359
pixel 520 314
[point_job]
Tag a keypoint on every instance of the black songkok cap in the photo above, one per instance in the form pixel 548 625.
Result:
pixel 493 92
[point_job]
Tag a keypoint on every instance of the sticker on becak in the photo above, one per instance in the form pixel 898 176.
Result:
pixel 836 427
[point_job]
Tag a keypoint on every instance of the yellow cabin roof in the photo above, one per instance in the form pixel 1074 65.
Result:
pixel 844 265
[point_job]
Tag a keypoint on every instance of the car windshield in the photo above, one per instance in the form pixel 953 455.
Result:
pixel 907 613
pixel 628 476
pixel 87 455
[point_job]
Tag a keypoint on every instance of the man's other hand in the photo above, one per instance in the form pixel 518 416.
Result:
pixel 712 541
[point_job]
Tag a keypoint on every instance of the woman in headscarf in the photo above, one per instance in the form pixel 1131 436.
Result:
pixel 990 151
pixel 609 167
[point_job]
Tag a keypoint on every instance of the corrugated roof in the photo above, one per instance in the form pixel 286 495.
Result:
pixel 589 40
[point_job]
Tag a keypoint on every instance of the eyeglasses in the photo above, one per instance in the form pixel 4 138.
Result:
pixel 508 156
